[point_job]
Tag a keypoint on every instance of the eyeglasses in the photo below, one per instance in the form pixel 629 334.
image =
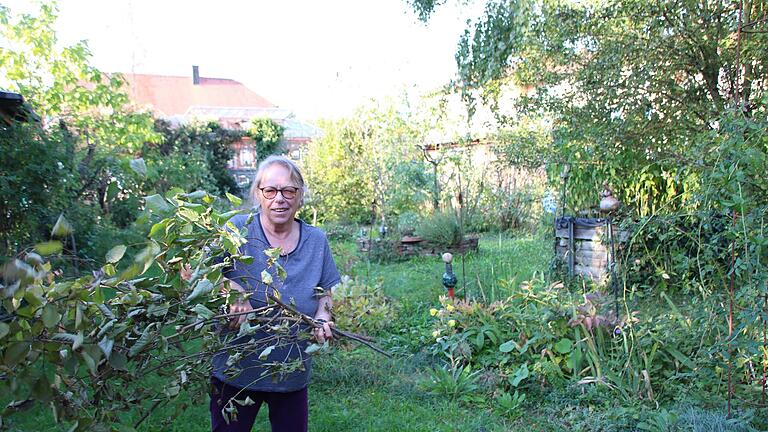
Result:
pixel 287 192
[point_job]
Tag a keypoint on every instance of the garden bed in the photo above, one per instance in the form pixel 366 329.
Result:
pixel 414 245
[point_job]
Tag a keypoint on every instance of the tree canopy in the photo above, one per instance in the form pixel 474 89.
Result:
pixel 628 86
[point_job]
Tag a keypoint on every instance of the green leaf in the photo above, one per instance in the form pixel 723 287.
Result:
pixel 118 360
pixel 112 191
pixel 203 287
pixel 172 390
pixel 4 329
pixel 116 254
pixel 33 259
pixel 106 311
pixel 224 217
pixel 236 201
pixel 479 340
pixel 508 346
pixel 89 362
pixel 106 345
pixel 245 402
pixel 79 315
pixel 189 214
pixel 139 166
pixel 203 312
pixel 61 228
pixel 196 195
pixel 313 348
pixel 132 271
pixel 281 273
pixel 520 374
pixel 41 390
pixel 267 351
pixel 49 247
pixel 564 346
pixel 272 253
pixel 106 327
pixel 682 358
pixel 157 204
pixel 266 278
pixel 15 353
pixel 50 316
pixel 143 340
pixel 159 229
pixel 78 342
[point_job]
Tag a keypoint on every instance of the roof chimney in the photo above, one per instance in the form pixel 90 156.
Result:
pixel 195 75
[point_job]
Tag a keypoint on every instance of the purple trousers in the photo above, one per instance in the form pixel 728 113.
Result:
pixel 288 412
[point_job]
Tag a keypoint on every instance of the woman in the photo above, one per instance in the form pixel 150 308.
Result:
pixel 278 189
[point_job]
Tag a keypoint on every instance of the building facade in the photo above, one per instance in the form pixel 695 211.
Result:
pixel 183 100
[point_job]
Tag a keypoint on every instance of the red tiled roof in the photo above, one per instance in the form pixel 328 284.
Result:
pixel 173 95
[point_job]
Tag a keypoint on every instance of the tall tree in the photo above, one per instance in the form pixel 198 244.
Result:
pixel 366 167
pixel 75 159
pixel 628 85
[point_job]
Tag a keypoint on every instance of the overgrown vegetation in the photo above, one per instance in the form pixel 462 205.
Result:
pixel 665 102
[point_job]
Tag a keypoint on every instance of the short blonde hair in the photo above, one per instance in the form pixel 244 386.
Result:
pixel 292 168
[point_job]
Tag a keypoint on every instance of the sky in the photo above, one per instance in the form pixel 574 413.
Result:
pixel 319 58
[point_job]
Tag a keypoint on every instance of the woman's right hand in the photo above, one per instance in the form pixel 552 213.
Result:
pixel 241 308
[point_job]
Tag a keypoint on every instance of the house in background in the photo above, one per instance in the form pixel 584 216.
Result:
pixel 13 108
pixel 183 100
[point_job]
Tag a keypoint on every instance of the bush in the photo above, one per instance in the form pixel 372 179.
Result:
pixel 441 229
pixel 407 223
pixel 505 212
pixel 362 308
pixel 340 232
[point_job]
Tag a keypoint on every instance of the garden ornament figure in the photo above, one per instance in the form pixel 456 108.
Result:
pixel 608 202
pixel 449 278
pixel 383 229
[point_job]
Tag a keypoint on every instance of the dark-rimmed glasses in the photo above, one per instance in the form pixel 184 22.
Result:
pixel 270 192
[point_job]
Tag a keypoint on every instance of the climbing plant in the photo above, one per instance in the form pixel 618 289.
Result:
pixel 267 134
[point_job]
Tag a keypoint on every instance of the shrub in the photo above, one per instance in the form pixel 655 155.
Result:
pixel 340 232
pixel 385 250
pixel 407 223
pixel 441 229
pixel 361 307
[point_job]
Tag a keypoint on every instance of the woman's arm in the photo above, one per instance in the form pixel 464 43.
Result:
pixel 325 315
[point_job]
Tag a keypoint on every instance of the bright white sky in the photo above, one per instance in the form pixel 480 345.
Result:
pixel 318 58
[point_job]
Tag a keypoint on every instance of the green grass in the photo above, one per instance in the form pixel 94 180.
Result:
pixel 500 263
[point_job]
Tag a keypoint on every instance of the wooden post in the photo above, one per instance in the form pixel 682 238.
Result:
pixel 571 246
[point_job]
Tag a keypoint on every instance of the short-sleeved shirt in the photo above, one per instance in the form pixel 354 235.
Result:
pixel 308 266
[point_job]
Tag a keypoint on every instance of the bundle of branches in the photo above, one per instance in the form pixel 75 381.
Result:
pixel 98 345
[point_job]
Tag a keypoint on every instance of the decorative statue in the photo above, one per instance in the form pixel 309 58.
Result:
pixel 608 202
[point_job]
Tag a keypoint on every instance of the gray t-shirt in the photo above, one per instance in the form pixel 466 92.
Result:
pixel 308 266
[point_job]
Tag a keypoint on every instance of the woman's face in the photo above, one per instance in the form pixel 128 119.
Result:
pixel 278 210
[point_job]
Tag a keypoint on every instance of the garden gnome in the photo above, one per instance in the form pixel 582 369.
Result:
pixel 608 202
pixel 449 278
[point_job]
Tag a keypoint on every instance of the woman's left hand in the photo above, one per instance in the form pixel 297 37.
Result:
pixel 323 333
